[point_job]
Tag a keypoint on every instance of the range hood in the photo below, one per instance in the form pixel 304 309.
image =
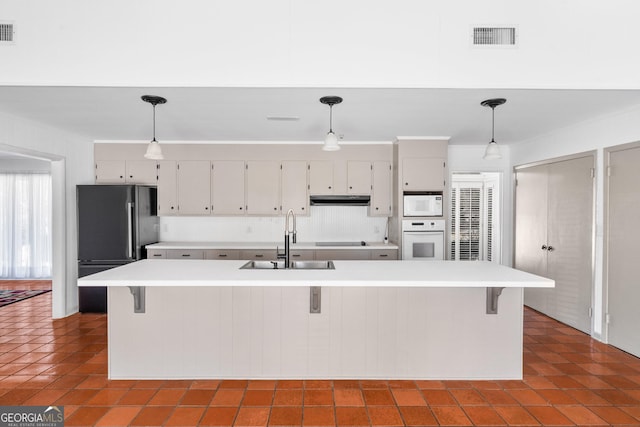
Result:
pixel 344 200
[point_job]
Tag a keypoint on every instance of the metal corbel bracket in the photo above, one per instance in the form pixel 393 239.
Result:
pixel 139 303
pixel 492 299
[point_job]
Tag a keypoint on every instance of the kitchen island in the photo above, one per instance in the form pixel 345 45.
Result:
pixel 177 319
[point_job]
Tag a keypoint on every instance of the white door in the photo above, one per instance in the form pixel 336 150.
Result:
pixel 622 237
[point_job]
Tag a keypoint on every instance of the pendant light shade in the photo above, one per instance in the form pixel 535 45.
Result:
pixel 493 151
pixel 154 152
pixel 331 140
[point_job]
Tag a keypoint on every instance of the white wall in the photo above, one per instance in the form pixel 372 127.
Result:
pixel 71 159
pixel 357 43
pixel 24 165
pixel 596 134
pixel 324 224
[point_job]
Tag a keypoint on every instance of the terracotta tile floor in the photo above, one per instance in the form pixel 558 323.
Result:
pixel 569 379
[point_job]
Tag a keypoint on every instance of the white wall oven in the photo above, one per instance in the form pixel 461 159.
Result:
pixel 423 240
pixel 422 203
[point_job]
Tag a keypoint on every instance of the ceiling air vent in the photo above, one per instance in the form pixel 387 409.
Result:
pixel 494 36
pixel 6 32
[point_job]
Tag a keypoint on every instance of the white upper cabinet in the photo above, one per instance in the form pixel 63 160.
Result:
pixel 263 188
pixel 141 172
pixel 381 198
pixel 194 187
pixel 227 187
pixel 321 177
pixel 110 171
pixel 359 177
pixel 295 193
pixel 423 174
pixel 167 187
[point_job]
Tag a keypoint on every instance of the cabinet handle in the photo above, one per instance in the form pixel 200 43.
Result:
pixel 259 255
pixel 544 247
pixel 121 176
pixel 186 255
pixel 550 248
pixel 206 208
pixel 295 255
pixel 240 207
pixel 406 183
pixel 383 255
pixel 329 186
pixel 157 254
pixel 275 209
pixel 130 176
pixel 350 188
pixel 377 208
pixel 222 255
pixel 302 208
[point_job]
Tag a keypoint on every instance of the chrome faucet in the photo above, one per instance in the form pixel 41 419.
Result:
pixel 287 232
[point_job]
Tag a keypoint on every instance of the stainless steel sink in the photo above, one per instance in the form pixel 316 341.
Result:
pixel 295 265
pixel 313 265
pixel 263 265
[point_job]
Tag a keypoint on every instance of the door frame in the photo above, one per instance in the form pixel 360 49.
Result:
pixel 594 155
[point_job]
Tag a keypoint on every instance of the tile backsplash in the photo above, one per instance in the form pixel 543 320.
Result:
pixel 325 223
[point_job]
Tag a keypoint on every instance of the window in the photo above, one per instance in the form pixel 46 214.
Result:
pixel 25 225
pixel 475 217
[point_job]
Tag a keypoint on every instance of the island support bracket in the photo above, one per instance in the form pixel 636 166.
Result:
pixel 492 300
pixel 139 303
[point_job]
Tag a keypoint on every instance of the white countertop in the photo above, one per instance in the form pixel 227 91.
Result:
pixel 262 245
pixel 152 272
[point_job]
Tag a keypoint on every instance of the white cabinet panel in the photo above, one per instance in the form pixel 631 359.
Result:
pixel 263 188
pixel 110 171
pixel 320 177
pixel 167 187
pixel 359 177
pixel 141 172
pixel 194 187
pixel 423 174
pixel 227 187
pixel 295 193
pixel 381 198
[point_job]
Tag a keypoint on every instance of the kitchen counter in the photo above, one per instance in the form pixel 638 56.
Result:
pixel 205 319
pixel 441 274
pixel 263 245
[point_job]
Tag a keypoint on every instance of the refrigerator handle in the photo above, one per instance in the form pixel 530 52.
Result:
pixel 130 228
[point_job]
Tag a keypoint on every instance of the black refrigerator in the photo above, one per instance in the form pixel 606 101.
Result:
pixel 115 222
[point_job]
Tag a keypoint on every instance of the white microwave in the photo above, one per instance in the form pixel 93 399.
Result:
pixel 422 204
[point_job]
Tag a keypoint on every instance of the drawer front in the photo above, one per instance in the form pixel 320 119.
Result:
pixel 222 254
pixel 302 255
pixel 185 254
pixel 343 254
pixel 156 253
pixel 264 254
pixel 384 254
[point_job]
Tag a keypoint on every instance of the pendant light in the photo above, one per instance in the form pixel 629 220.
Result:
pixel 493 151
pixel 331 140
pixel 154 152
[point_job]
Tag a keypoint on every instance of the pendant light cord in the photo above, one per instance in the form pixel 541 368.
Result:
pixel 154 123
pixel 493 122
pixel 331 118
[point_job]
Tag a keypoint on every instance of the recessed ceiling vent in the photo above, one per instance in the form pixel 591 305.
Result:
pixel 494 36
pixel 6 32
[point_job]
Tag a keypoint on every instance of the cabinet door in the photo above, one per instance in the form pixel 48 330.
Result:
pixel 259 254
pixel 156 253
pixel 294 186
pixel 222 254
pixel 359 178
pixel 302 255
pixel 110 172
pixel 194 187
pixel 381 197
pixel 185 254
pixel 263 188
pixel 384 254
pixel 320 177
pixel 141 172
pixel 227 187
pixel 343 254
pixel 167 188
pixel 423 174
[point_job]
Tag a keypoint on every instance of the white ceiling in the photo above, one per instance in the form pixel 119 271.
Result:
pixel 240 114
